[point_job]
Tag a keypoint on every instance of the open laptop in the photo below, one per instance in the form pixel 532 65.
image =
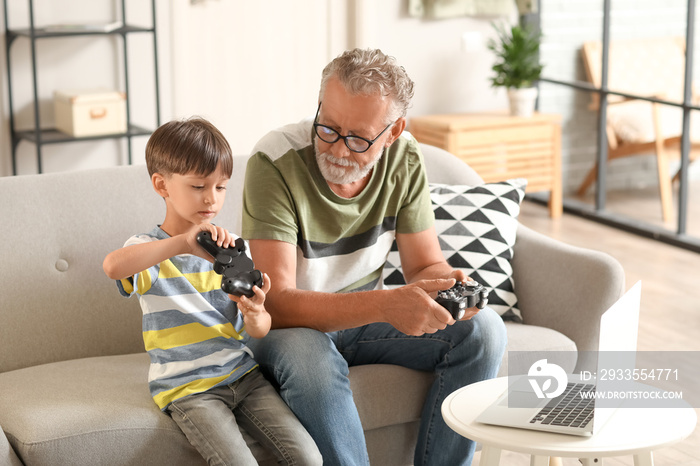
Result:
pixel 570 411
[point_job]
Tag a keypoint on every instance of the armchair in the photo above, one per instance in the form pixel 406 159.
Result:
pixel 652 67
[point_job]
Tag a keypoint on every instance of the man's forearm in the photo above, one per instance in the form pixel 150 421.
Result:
pixel 410 309
pixel 326 312
pixel 431 272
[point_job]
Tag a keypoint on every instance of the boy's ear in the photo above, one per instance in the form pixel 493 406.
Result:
pixel 159 184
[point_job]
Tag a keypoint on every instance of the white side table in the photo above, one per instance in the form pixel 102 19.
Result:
pixel 630 431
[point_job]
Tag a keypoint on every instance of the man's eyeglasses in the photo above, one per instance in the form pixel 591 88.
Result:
pixel 354 143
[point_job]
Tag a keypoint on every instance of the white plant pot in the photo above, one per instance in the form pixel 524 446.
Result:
pixel 522 101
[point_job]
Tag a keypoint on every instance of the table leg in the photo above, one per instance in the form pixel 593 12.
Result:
pixel 490 456
pixel 644 459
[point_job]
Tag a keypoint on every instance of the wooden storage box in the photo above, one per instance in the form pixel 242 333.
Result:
pixel 90 113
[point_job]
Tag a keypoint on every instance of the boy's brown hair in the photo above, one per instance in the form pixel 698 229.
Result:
pixel 192 145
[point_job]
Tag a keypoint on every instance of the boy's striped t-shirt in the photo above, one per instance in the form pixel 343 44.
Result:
pixel 192 331
pixel 342 244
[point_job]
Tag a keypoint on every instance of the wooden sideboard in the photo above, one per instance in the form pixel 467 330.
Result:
pixel 500 147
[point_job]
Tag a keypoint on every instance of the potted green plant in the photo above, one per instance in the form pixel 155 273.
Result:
pixel 517 65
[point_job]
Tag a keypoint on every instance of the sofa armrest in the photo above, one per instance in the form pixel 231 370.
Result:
pixel 564 287
pixel 8 456
pixel 559 286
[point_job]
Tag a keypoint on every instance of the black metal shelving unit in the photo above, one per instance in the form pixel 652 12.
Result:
pixel 40 136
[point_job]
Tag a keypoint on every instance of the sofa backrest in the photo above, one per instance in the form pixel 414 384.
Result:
pixel 443 167
pixel 56 303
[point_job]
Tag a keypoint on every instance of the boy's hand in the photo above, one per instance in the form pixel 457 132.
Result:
pixel 257 320
pixel 221 235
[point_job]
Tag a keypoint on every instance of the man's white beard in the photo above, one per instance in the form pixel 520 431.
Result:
pixel 348 172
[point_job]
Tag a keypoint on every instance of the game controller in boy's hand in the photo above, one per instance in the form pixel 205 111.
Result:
pixel 463 296
pixel 237 269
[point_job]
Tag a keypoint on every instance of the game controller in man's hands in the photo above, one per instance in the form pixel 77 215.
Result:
pixel 237 269
pixel 463 296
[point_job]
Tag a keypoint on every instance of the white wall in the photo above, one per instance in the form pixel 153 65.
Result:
pixel 270 63
pixel 250 67
pixel 247 66
pixel 447 59
pixel 253 66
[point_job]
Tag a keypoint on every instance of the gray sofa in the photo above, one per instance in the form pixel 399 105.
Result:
pixel 73 370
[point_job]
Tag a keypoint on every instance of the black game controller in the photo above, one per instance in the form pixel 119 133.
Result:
pixel 463 296
pixel 238 272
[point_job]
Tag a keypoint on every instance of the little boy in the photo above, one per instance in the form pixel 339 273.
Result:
pixel 202 373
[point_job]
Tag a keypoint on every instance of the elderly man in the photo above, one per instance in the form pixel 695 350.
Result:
pixel 323 202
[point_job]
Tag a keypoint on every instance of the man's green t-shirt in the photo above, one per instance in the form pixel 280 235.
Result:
pixel 342 244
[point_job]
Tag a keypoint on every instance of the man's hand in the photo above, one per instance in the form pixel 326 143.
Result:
pixel 413 309
pixel 460 276
pixel 422 261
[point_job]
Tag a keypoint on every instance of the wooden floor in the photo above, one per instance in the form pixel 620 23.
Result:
pixel 670 309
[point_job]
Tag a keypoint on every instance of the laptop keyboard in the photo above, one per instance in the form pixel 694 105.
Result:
pixel 569 409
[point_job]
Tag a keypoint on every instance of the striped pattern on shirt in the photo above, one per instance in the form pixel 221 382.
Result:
pixel 342 244
pixel 192 331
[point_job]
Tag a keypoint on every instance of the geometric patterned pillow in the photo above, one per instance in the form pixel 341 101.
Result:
pixel 476 227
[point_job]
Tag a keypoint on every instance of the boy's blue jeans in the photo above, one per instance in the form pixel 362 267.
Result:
pixel 311 369
pixel 211 422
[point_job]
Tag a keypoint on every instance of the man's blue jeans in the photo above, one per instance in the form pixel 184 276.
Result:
pixel 311 369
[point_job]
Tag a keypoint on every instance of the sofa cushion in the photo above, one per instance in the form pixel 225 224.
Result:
pixel 476 227
pixel 7 454
pixel 95 410
pixel 389 386
pixel 92 411
pixel 522 337
pixel 633 121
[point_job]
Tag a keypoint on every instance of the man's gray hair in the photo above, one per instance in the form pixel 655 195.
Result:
pixel 369 72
